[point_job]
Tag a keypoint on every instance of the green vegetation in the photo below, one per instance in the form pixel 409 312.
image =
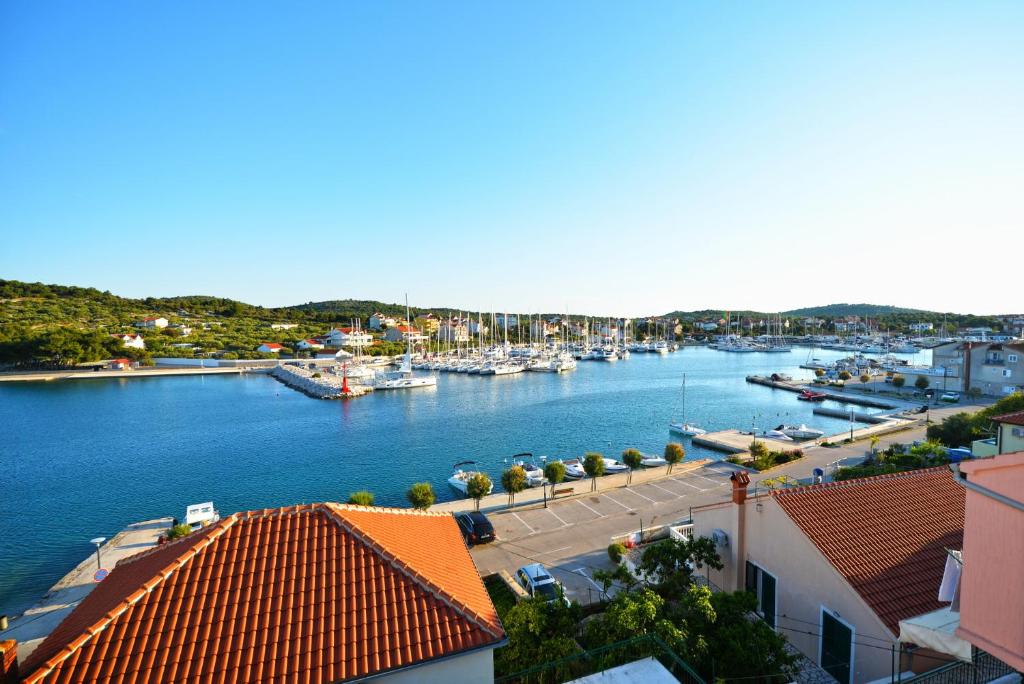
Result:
pixel 513 481
pixel 674 453
pixel 632 458
pixel 616 551
pixel 762 458
pixel 898 381
pixel 361 498
pixel 477 487
pixel 921 383
pixel 502 597
pixel 960 429
pixel 421 496
pixel 593 466
pixel 178 531
pixel 895 459
pixel 554 473
pixel 538 632
pixel 844 375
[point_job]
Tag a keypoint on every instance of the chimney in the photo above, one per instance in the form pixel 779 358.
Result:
pixel 740 480
pixel 8 661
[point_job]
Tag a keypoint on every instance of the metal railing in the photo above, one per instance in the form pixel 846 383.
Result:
pixel 603 658
pixel 985 668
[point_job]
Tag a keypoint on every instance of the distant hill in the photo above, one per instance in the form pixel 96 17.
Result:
pixel 864 310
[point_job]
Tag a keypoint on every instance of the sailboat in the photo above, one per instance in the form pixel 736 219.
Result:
pixel 403 377
pixel 682 427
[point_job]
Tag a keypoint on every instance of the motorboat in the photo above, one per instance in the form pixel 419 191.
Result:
pixel 652 460
pixel 811 395
pixel 800 432
pixel 534 473
pixel 403 377
pixel 686 429
pixel 778 434
pixel 460 478
pixel 574 469
pixel 611 466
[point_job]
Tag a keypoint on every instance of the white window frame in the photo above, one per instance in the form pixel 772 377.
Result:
pixel 821 636
pixel 1012 358
pixel 1007 373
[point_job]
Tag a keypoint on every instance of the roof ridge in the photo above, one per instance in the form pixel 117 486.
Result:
pixel 841 484
pixel 298 508
pixel 445 596
pixel 90 631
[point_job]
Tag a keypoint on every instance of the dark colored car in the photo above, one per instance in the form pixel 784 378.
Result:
pixel 476 528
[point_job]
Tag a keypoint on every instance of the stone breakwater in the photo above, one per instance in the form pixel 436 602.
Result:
pixel 326 386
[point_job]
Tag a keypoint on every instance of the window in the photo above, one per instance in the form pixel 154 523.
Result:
pixel 1012 358
pixel 762 585
pixel 835 647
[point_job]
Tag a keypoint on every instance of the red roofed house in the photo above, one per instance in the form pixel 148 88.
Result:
pixel 309 344
pixel 119 364
pixel 404 333
pixel 131 340
pixel 836 566
pixel 312 593
pixel 270 348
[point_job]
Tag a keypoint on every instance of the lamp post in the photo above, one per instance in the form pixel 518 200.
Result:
pixel 98 541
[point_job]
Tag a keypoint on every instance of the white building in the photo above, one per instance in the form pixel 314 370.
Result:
pixel 349 337
pixel 921 327
pixel 152 322
pixel 309 344
pixel 131 340
pixel 270 348
pixel 283 326
pixel 453 331
pixel 379 321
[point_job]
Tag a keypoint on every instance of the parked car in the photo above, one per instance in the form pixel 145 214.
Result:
pixel 537 581
pixel 476 528
pixel 951 397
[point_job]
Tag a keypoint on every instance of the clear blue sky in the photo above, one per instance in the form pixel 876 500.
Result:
pixel 600 157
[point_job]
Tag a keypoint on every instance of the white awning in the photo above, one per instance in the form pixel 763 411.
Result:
pixel 937 631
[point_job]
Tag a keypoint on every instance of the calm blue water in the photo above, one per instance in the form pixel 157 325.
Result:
pixel 85 458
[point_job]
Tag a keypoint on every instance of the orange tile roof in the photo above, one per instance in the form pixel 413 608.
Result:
pixel 321 592
pixel 887 535
pixel 1015 418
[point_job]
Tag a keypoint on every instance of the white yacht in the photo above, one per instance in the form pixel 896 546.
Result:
pixel 800 432
pixel 652 461
pixel 534 473
pixel 611 466
pixel 460 478
pixel 778 434
pixel 574 469
pixel 403 377
pixel 681 427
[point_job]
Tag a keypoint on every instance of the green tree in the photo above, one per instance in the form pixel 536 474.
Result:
pixel 865 378
pixel 898 381
pixel 554 473
pixel 513 481
pixel 959 429
pixel 633 459
pixel 593 466
pixel 539 632
pixel 361 498
pixel 478 486
pixel 674 453
pixel 922 382
pixel 844 375
pixel 669 565
pixel 421 496
pixel 819 372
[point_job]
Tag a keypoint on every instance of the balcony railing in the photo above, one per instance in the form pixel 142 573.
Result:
pixel 994 362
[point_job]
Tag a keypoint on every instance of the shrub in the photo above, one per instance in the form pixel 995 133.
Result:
pixel 616 551
pixel 477 487
pixel 361 498
pixel 844 375
pixel 758 449
pixel 178 531
pixel 922 382
pixel 674 453
pixel 421 496
pixel 554 472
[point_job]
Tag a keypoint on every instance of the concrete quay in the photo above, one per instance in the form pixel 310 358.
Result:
pixel 800 387
pixel 35 624
pixel 323 387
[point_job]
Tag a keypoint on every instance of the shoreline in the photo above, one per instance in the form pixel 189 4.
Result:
pixel 52 376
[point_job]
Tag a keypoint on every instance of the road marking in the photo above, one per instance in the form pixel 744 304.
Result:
pixel 633 491
pixel 583 573
pixel 589 508
pixel 609 497
pixel 516 516
pixel 668 491
pixel 564 524
pixel 684 482
pixel 545 553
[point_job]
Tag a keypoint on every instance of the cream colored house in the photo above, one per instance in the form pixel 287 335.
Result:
pixel 1009 437
pixel 836 566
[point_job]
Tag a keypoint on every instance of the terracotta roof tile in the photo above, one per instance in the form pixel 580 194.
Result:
pixel 886 535
pixel 1016 418
pixel 322 592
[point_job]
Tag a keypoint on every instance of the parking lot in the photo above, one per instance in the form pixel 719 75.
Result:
pixel 570 537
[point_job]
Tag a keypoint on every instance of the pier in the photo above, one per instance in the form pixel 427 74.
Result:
pixel 321 387
pixel 797 388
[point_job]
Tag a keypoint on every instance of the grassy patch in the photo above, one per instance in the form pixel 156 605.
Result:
pixel 501 595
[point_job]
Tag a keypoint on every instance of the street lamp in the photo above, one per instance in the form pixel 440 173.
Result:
pixel 98 541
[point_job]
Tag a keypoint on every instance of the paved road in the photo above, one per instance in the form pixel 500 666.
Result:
pixel 571 536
